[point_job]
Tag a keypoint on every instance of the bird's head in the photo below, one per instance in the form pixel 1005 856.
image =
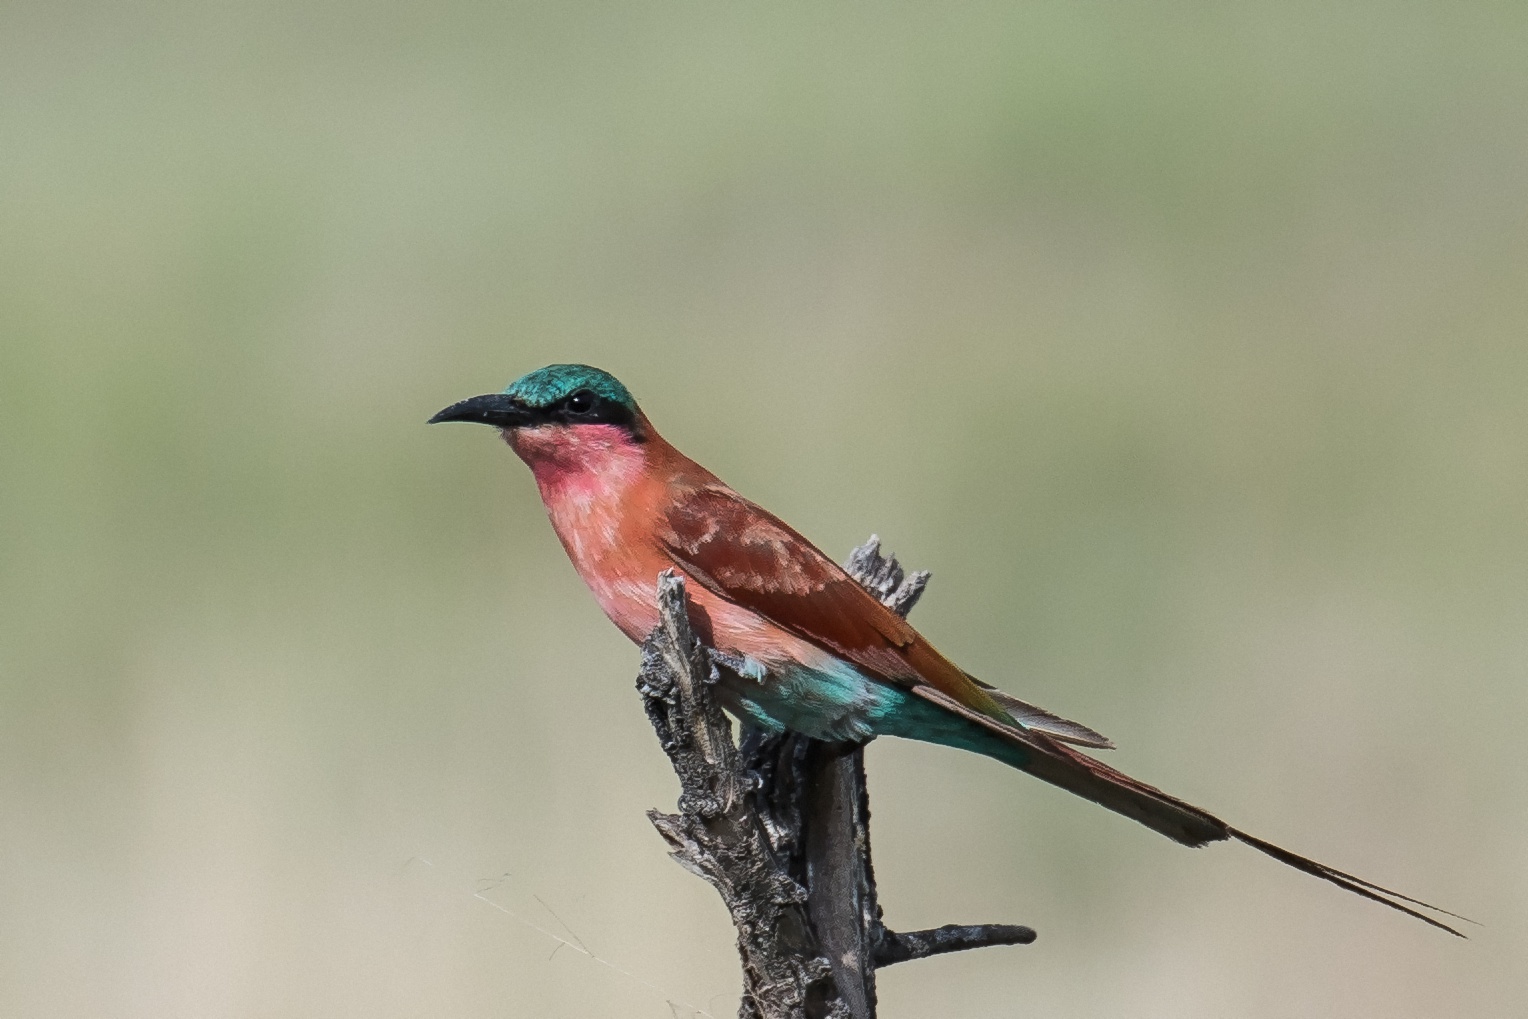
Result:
pixel 559 418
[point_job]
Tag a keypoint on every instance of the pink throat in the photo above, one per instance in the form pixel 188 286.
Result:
pixel 578 460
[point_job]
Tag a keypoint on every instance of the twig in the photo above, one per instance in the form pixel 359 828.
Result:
pixel 952 937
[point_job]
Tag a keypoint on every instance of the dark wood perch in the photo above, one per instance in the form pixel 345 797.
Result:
pixel 781 828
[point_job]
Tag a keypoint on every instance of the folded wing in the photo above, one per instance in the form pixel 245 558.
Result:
pixel 744 553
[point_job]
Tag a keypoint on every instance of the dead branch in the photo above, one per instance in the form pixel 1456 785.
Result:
pixel 781 828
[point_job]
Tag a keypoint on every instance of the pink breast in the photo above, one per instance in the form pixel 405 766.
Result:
pixel 628 595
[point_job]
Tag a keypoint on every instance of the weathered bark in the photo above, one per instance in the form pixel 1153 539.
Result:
pixel 781 828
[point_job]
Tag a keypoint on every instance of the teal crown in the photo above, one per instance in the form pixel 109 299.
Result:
pixel 546 386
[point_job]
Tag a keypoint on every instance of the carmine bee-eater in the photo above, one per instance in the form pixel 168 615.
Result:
pixel 809 649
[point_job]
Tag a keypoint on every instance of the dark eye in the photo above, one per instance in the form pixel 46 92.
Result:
pixel 581 402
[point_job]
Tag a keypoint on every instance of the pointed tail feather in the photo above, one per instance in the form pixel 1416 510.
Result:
pixel 1044 757
pixel 1356 885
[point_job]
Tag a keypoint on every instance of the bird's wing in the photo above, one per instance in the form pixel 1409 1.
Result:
pixel 742 552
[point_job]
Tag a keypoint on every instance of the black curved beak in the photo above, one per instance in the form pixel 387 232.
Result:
pixel 497 409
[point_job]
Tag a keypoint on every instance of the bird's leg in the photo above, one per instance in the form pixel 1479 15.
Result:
pixel 775 760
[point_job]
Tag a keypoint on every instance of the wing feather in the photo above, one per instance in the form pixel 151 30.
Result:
pixel 742 552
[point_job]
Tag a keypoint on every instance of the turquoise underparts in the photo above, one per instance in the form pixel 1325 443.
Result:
pixel 840 703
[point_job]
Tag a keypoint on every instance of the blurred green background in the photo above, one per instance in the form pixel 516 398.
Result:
pixel 1185 343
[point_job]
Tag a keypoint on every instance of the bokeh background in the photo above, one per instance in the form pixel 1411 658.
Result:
pixel 1185 343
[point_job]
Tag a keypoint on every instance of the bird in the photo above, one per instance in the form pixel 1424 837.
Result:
pixel 807 649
